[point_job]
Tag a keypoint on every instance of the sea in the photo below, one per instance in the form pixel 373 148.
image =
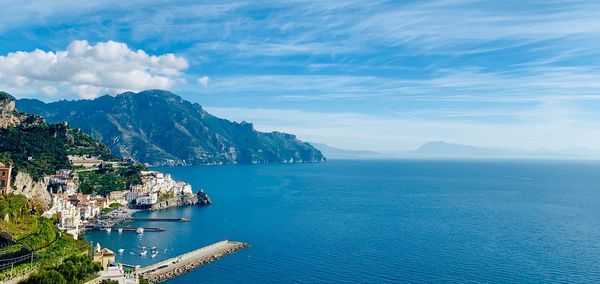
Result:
pixel 405 221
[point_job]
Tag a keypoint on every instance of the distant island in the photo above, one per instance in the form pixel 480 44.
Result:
pixel 160 128
pixel 446 150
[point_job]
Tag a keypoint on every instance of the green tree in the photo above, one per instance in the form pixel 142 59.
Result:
pixel 45 277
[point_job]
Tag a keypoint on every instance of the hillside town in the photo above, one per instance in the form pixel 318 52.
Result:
pixel 77 212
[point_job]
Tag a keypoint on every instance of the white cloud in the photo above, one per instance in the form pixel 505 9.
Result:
pixel 91 69
pixel 203 81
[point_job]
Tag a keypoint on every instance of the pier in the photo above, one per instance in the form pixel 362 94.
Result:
pixel 125 229
pixel 146 229
pixel 175 266
pixel 158 219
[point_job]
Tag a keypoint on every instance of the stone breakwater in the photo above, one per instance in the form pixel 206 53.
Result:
pixel 172 268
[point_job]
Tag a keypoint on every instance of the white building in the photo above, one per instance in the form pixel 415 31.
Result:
pixel 154 184
pixel 147 198
pixel 69 218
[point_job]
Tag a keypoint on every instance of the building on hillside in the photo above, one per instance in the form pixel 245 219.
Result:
pixel 117 273
pixel 89 206
pixel 63 181
pixel 86 161
pixel 105 256
pixel 182 188
pixel 68 215
pixel 119 196
pixel 141 200
pixel 147 198
pixel 5 172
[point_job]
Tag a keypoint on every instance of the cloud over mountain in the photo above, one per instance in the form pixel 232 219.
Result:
pixel 91 69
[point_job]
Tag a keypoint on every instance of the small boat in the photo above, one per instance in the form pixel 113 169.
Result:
pixel 153 248
pixel 153 255
pixel 143 253
pixel 121 250
pixel 120 230
pixel 165 250
pixel 139 230
pixel 108 229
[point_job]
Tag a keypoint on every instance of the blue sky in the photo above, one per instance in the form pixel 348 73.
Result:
pixel 378 75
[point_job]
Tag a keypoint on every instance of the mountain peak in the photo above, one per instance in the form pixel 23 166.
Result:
pixel 4 96
pixel 10 117
pixel 151 93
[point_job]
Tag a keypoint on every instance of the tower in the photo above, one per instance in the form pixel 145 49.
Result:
pixel 5 172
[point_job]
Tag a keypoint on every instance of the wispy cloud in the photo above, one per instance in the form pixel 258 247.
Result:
pixel 545 126
pixel 421 65
pixel 536 84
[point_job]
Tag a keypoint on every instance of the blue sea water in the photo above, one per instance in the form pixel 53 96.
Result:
pixel 386 222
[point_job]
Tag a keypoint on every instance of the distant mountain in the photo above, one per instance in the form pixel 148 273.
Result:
pixel 445 150
pixel 160 128
pixel 337 153
pixel 440 149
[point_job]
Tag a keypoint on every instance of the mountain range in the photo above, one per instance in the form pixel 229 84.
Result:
pixel 445 150
pixel 160 128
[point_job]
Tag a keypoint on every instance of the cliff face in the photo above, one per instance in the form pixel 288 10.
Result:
pixel 7 117
pixel 160 128
pixel 10 117
pixel 34 190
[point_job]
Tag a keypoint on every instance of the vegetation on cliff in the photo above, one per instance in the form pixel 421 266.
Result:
pixel 25 232
pixel 74 269
pixel 28 240
pixel 38 148
pixel 106 179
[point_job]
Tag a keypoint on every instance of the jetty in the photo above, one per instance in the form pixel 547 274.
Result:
pixel 158 219
pixel 146 229
pixel 125 228
pixel 178 265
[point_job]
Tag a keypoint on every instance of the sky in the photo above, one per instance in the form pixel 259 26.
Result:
pixel 374 75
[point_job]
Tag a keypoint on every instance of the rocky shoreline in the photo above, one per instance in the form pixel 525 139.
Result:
pixel 200 198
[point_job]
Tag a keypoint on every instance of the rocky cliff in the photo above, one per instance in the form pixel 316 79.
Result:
pixel 33 190
pixel 200 198
pixel 10 117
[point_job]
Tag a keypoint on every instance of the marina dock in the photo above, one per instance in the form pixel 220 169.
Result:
pixel 175 266
pixel 158 219
pixel 125 229
pixel 146 229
